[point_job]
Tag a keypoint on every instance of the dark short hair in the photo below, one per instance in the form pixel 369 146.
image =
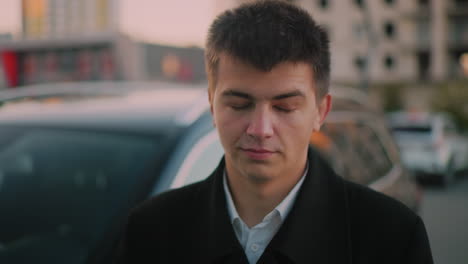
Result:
pixel 266 33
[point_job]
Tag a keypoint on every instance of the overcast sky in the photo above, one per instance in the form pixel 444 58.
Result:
pixel 179 22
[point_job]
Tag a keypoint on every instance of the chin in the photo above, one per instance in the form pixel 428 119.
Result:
pixel 260 174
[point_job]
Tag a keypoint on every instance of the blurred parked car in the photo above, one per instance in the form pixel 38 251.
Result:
pixel 71 170
pixel 359 145
pixel 430 143
pixel 50 93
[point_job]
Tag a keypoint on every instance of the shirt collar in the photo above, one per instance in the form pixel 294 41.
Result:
pixel 230 204
pixel 283 208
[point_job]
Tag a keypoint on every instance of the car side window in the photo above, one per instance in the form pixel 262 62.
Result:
pixel 380 163
pixel 324 142
pixel 352 165
pixel 57 174
pixel 364 157
pixel 360 159
pixel 201 161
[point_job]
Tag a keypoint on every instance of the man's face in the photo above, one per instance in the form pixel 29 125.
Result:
pixel 265 119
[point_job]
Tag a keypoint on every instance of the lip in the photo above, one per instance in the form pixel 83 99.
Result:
pixel 258 154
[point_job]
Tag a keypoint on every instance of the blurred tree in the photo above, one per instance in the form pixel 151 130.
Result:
pixel 391 94
pixel 452 97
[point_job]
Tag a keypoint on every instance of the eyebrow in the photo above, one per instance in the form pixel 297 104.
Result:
pixel 237 94
pixel 250 97
pixel 288 95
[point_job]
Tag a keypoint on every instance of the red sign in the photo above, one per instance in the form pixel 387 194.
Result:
pixel 10 66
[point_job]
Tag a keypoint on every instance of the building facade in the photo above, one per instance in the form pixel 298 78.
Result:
pixel 63 18
pixel 391 40
pixel 96 58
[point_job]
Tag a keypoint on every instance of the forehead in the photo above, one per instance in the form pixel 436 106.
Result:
pixel 284 77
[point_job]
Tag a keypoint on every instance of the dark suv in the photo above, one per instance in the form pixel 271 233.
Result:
pixel 72 165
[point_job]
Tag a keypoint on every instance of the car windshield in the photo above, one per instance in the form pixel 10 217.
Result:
pixel 412 129
pixel 59 189
pixel 412 136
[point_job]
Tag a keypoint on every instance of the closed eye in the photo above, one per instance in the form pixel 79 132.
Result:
pixel 241 106
pixel 283 109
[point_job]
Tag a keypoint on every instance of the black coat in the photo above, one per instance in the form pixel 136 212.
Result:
pixel 331 221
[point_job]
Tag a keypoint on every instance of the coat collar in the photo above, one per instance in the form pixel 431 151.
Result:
pixel 315 229
pixel 222 240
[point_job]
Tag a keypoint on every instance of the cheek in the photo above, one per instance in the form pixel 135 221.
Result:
pixel 300 122
pixel 226 117
pixel 296 129
pixel 229 124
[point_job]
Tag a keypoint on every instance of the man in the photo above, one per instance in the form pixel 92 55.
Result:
pixel 271 199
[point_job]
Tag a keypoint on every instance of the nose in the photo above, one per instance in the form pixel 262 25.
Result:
pixel 260 123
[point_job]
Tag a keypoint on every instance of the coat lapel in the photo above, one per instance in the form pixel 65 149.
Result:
pixel 224 247
pixel 316 229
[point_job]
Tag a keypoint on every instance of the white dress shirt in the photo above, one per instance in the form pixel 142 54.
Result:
pixel 254 240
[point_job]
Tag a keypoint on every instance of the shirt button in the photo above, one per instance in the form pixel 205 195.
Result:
pixel 254 247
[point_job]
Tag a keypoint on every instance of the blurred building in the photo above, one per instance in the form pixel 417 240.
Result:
pixel 441 30
pixel 63 18
pixel 61 60
pixel 94 58
pixel 162 62
pixel 397 40
pixel 5 37
pixel 78 40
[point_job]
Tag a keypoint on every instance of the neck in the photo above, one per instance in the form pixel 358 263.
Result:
pixel 254 199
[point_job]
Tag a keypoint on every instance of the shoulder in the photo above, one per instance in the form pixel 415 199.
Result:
pixel 152 226
pixel 382 226
pixel 364 201
pixel 171 203
pixel 167 214
pixel 379 222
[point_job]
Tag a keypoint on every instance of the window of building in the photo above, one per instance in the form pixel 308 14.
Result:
pixel 360 62
pixel 389 62
pixel 359 3
pixel 389 29
pixel 424 62
pixel 423 2
pixel 390 2
pixel 323 4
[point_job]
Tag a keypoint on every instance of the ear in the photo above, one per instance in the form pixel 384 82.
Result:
pixel 323 108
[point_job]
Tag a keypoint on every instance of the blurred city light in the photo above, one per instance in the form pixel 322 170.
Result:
pixel 464 63
pixel 170 65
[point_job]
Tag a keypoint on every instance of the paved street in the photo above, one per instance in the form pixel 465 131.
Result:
pixel 445 213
